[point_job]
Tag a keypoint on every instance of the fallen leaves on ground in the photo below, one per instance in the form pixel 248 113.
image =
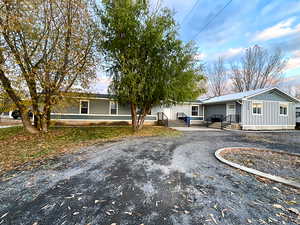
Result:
pixel 20 150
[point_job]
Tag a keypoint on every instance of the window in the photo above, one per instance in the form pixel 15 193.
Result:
pixel 283 109
pixel 113 108
pixel 231 106
pixel 297 114
pixel 84 107
pixel 195 110
pixel 257 108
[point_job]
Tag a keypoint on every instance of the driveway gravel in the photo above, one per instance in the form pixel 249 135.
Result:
pixel 152 181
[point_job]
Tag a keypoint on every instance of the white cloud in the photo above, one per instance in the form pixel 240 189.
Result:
pixel 294 61
pixel 231 52
pixel 281 29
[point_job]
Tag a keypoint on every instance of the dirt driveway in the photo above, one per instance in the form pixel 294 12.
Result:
pixel 152 181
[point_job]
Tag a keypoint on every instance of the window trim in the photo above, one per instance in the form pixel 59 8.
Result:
pixel 198 111
pixel 88 108
pixel 287 108
pixel 117 107
pixel 262 106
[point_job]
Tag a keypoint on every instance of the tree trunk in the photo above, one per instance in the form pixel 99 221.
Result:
pixel 27 122
pixel 46 113
pixel 142 117
pixel 17 101
pixel 134 120
pixel 48 118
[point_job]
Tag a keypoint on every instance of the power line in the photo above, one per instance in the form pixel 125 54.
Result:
pixel 191 10
pixel 209 22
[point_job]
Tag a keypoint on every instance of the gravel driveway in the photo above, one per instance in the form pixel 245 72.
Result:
pixel 152 181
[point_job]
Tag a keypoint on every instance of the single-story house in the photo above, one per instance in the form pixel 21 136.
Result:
pixel 263 109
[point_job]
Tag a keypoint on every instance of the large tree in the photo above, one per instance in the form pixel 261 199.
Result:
pixel 257 68
pixel 46 48
pixel 217 78
pixel 148 64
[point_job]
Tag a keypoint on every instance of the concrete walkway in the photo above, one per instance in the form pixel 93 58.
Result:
pixel 195 129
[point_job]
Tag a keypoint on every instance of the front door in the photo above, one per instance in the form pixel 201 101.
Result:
pixel 230 109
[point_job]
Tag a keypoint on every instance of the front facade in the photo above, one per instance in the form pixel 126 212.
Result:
pixel 264 109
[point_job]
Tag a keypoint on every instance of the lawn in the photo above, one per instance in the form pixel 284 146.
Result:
pixel 19 150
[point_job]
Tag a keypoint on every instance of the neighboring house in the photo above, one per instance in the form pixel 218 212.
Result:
pixel 263 109
pixel 6 114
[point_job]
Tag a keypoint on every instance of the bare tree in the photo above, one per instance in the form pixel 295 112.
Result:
pixel 258 68
pixel 46 48
pixel 217 78
pixel 297 92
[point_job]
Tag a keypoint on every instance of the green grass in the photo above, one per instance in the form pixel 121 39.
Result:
pixel 18 147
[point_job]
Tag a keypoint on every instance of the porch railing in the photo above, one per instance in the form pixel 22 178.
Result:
pixel 230 119
pixel 184 117
pixel 223 120
pixel 162 119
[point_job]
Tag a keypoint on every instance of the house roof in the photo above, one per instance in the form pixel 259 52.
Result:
pixel 243 95
pixel 88 95
pixel 219 99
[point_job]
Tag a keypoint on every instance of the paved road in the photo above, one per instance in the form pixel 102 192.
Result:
pixel 151 181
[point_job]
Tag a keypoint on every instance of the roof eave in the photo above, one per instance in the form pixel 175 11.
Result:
pixel 273 88
pixel 215 102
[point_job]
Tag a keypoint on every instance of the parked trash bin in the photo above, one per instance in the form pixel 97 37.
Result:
pixel 188 121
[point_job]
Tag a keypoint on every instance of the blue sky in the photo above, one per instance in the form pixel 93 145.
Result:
pixel 268 23
pixel 243 23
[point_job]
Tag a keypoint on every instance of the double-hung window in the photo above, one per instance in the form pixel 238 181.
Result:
pixel 113 108
pixel 84 107
pixel 195 110
pixel 257 108
pixel 283 109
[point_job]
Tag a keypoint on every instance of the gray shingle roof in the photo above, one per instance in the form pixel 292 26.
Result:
pixel 235 96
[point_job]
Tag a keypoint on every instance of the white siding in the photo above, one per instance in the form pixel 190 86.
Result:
pixel 172 111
